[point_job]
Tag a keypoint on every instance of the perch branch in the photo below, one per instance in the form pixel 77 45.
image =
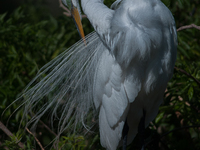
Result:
pixel 35 139
pixel 189 27
pixel 187 74
pixel 6 131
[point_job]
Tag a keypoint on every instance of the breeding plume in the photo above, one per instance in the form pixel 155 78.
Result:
pixel 117 74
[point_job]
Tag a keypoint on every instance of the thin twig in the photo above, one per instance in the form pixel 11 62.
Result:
pixel 35 139
pixel 63 7
pixel 33 114
pixel 189 27
pixel 6 131
pixel 47 127
pixel 68 12
pixel 187 74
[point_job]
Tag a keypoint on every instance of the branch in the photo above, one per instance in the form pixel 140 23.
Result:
pixel 187 74
pixel 6 131
pixel 189 27
pixel 35 139
pixel 47 127
pixel 68 12
pixel 63 7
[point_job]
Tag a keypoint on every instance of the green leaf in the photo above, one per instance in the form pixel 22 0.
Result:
pixel 190 92
pixel 159 117
pixel 2 17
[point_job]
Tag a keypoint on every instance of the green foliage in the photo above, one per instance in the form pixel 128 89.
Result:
pixel 30 37
pixel 26 45
pixel 180 110
pixel 13 142
pixel 28 41
pixel 72 142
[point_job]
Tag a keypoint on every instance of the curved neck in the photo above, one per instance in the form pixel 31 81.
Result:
pixel 98 14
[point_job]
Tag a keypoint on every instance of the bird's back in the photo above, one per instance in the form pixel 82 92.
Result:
pixel 133 72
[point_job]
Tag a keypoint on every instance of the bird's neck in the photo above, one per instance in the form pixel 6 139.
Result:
pixel 98 14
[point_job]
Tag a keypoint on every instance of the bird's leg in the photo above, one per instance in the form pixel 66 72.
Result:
pixel 124 135
pixel 141 129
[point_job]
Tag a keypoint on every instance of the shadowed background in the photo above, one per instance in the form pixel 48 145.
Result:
pixel 34 32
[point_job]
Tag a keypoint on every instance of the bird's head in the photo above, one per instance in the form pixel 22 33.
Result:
pixel 74 7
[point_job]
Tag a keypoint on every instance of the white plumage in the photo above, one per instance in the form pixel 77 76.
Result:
pixel 123 70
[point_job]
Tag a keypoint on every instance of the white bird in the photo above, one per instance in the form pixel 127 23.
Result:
pixel 120 75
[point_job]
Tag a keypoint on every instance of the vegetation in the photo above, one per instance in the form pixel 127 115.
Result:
pixel 30 37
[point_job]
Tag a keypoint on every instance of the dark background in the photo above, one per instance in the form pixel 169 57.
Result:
pixel 34 32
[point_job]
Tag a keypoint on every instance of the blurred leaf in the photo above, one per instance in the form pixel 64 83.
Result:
pixel 159 117
pixel 190 92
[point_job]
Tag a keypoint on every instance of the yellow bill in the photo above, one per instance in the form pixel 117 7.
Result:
pixel 77 19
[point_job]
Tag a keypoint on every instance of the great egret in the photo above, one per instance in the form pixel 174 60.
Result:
pixel 119 75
